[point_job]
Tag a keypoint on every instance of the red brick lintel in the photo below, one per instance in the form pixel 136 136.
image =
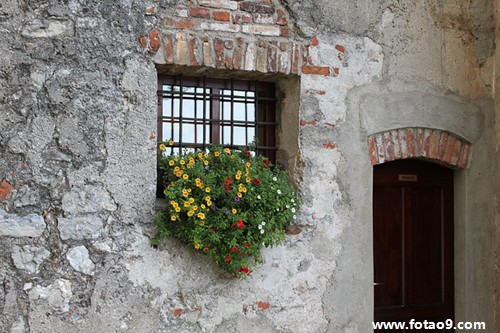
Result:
pixel 431 144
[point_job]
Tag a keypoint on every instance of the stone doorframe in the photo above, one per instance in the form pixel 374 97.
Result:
pixel 457 134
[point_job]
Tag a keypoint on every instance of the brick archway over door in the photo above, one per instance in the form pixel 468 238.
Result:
pixel 432 144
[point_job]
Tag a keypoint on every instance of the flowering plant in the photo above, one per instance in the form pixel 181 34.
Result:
pixel 226 204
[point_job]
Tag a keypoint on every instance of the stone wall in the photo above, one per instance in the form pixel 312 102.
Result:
pixel 78 147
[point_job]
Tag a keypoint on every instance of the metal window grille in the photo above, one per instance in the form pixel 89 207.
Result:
pixel 197 112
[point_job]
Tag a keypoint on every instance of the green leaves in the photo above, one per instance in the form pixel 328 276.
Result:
pixel 225 204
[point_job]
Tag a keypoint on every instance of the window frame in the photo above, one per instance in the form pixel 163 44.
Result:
pixel 265 111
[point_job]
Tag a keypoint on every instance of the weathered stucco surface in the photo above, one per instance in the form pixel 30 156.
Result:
pixel 78 163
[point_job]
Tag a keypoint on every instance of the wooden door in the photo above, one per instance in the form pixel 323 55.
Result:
pixel 413 241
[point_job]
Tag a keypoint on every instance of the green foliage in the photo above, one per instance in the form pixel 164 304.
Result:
pixel 226 204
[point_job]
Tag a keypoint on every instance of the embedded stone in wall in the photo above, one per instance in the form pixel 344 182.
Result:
pixel 88 199
pixel 57 294
pixel 79 259
pixel 80 227
pixel 29 258
pixel 12 225
pixel 49 28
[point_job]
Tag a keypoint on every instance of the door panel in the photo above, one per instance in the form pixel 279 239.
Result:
pixel 413 241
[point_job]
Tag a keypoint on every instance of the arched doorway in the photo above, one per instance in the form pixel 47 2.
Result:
pixel 413 241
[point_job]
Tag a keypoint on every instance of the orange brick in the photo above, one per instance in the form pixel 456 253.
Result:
pixel 221 15
pixel 316 70
pixel 5 190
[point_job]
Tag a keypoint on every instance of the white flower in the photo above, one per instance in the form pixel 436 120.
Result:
pixel 287 206
pixel 294 217
pixel 260 227
pixel 275 179
pixel 279 191
pixel 293 210
pixel 261 231
pixel 292 200
pixel 252 153
pixel 277 209
pixel 263 223
pixel 258 197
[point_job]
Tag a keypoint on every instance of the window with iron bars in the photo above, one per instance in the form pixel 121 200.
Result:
pixel 196 112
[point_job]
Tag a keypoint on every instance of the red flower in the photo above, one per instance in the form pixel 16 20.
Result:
pixel 234 249
pixel 240 224
pixel 243 270
pixel 247 245
pixel 256 181
pixel 212 229
pixel 228 259
pixel 266 164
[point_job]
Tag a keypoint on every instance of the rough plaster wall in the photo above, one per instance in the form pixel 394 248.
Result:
pixel 76 153
pixel 78 114
pixel 496 96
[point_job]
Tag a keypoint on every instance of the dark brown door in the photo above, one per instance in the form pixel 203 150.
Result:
pixel 413 241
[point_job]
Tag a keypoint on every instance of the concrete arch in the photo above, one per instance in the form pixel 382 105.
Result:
pixel 432 144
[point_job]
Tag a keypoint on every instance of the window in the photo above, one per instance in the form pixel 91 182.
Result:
pixel 195 112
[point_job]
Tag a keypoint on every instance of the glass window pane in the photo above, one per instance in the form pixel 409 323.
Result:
pixel 251 134
pixel 226 135
pixel 239 111
pixel 187 108
pixel 239 137
pixel 166 131
pixel 251 112
pixel 166 107
pixel 176 108
pixel 226 110
pixel 188 133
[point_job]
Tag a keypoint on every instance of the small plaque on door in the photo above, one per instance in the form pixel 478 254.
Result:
pixel 407 178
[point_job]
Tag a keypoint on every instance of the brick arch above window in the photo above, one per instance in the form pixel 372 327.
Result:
pixel 431 144
pixel 249 35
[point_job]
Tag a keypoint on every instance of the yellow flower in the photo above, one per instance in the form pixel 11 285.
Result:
pixel 248 164
pixel 171 143
pixel 175 204
pixel 172 202
pixel 165 191
pixel 209 203
pixel 171 163
pixel 207 190
pixel 239 195
pixel 173 218
pixel 177 209
pixel 162 147
pixel 186 204
pixel 197 180
pixel 189 190
pixel 244 190
pixel 197 246
pixel 207 198
pixel 194 208
pixel 190 213
pixel 176 169
pixel 201 215
pixel 205 162
pixel 237 177
pixel 227 150
pixel 191 200
pixel 234 211
pixel 200 155
pixel 248 180
pixel 185 193
pixel 182 162
pixel 216 154
pixel 203 206
pixel 185 176
pixel 191 160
